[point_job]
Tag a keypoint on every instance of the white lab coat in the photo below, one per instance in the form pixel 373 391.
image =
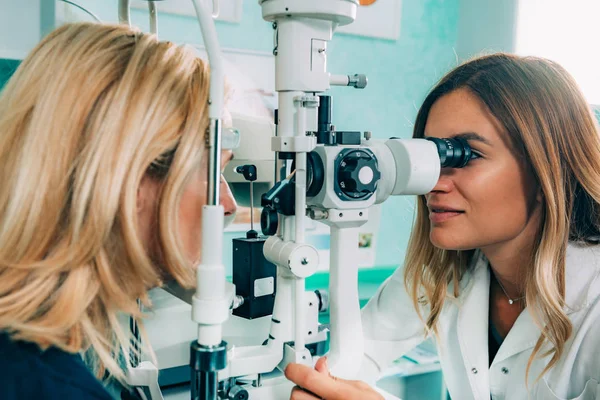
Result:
pixel 392 328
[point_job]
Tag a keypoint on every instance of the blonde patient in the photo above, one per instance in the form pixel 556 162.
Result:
pixel 102 183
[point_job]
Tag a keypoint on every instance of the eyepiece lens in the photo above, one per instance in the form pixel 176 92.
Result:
pixel 453 152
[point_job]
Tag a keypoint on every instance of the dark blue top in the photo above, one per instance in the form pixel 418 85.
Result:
pixel 28 373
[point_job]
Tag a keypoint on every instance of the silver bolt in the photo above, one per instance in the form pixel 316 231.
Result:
pixel 474 370
pixel 318 214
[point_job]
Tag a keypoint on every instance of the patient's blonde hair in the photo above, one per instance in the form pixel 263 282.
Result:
pixel 553 130
pixel 90 112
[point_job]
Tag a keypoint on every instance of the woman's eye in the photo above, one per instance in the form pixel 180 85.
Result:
pixel 475 155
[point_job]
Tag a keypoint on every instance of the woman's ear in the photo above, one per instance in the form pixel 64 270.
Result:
pixel 147 194
pixel 142 195
pixel 539 196
pixel 146 204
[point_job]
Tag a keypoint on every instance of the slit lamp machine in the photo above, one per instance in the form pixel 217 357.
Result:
pixel 331 176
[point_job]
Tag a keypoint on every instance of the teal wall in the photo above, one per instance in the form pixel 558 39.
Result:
pixel 400 74
pixel 486 26
pixel 7 67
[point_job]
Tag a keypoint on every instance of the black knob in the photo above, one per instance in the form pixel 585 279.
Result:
pixel 324 113
pixel 357 174
pixel 249 172
pixel 269 221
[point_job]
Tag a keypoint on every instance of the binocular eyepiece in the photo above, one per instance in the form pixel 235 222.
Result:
pixel 454 153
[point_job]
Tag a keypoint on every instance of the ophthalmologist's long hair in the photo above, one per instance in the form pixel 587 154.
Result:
pixel 552 128
pixel 89 113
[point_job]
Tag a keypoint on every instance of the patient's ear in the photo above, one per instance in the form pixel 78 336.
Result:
pixel 147 207
pixel 147 194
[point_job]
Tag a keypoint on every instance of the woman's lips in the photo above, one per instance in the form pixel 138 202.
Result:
pixel 438 216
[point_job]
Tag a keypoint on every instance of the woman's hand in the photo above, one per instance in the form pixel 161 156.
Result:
pixel 315 384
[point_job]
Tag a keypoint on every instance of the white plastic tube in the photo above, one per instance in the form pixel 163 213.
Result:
pixel 211 272
pixel 209 308
pixel 300 317
pixel 300 207
pixel 215 59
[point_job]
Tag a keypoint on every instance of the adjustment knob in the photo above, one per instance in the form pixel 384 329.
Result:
pixel 357 174
pixel 269 221
pixel 238 393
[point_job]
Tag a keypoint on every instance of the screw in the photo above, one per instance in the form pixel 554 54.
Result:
pixel 341 215
pixel 304 261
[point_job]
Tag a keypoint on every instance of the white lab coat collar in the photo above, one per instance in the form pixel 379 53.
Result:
pixel 582 269
pixel 473 316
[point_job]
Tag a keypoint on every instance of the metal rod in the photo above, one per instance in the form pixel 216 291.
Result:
pixel 85 10
pixel 124 17
pixel 214 162
pixel 251 205
pixel 204 385
pixel 153 17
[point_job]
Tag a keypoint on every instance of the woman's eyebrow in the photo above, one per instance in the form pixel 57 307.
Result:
pixel 472 136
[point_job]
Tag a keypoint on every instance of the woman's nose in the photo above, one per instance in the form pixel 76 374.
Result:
pixel 444 183
pixel 227 200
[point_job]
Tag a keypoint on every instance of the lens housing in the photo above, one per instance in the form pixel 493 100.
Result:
pixel 454 153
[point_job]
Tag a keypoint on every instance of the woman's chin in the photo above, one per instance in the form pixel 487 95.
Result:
pixel 448 241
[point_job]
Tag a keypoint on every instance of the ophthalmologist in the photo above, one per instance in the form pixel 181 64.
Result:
pixel 502 268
